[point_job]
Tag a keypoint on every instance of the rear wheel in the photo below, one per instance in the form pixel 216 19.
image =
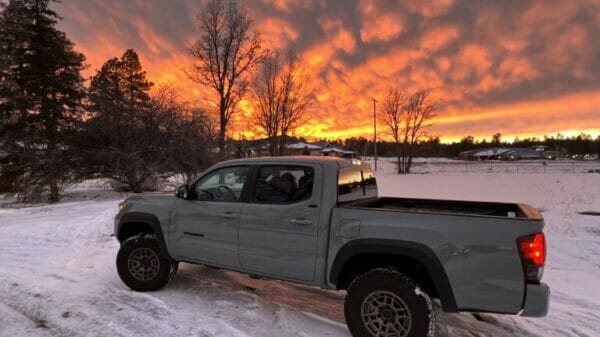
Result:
pixel 142 266
pixel 386 303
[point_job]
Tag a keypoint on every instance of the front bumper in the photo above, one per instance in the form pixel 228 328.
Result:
pixel 537 301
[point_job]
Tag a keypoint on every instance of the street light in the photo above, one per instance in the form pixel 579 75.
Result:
pixel 375 131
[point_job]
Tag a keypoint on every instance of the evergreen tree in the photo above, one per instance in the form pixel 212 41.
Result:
pixel 41 89
pixel 115 141
pixel 132 136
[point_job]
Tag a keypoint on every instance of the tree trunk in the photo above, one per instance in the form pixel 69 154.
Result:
pixel 54 197
pixel 282 144
pixel 410 158
pixel 222 153
pixel 399 157
pixel 403 153
pixel 272 145
pixel 222 128
pixel 52 168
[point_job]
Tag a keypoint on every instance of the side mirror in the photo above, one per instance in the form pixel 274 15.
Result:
pixel 182 191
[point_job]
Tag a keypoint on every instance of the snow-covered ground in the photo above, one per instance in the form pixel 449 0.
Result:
pixel 57 273
pixel 447 165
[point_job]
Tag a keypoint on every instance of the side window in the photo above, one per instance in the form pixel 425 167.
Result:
pixel 284 184
pixel 224 184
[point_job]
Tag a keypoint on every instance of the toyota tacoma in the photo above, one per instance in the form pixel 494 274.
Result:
pixel 319 221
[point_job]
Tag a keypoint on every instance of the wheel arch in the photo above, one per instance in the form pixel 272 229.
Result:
pixel 362 255
pixel 139 222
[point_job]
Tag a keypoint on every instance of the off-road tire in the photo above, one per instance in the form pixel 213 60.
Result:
pixel 141 264
pixel 368 291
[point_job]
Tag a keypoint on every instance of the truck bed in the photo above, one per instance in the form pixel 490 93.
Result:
pixel 472 208
pixel 475 242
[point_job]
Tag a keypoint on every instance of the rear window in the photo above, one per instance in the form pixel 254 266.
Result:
pixel 356 183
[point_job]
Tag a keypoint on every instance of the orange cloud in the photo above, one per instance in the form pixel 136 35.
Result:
pixel 339 37
pixel 378 25
pixel 521 70
pixel 437 38
pixel 431 8
pixel 514 69
pixel 277 33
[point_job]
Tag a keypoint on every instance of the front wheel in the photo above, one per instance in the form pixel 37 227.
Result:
pixel 386 303
pixel 142 266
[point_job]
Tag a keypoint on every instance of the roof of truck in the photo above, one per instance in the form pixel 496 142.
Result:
pixel 341 162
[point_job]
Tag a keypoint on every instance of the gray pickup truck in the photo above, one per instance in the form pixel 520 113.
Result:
pixel 319 221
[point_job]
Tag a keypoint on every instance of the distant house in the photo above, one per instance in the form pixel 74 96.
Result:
pixel 503 153
pixel 483 154
pixel 260 148
pixel 337 152
pixel 522 153
pixel 304 149
pixel 257 149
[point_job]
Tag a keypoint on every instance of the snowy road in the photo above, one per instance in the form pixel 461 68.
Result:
pixel 57 274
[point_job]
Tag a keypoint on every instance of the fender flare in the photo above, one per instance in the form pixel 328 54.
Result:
pixel 145 218
pixel 417 251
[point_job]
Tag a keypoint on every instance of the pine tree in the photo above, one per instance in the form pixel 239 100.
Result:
pixel 120 88
pixel 41 89
pixel 135 85
pixel 132 137
pixel 116 141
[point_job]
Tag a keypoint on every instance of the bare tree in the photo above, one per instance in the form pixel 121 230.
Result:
pixel 407 117
pixel 283 96
pixel 267 94
pixel 185 134
pixel 420 110
pixel 392 114
pixel 297 97
pixel 225 53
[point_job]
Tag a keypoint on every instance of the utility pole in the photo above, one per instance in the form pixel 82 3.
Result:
pixel 375 131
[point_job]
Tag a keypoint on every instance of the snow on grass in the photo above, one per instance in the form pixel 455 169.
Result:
pixel 58 278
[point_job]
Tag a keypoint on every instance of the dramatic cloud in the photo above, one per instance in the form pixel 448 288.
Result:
pixel 521 68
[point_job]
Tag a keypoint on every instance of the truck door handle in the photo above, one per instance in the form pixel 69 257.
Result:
pixel 300 222
pixel 229 215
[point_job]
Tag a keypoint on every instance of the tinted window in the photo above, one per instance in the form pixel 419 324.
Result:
pixel 284 184
pixel 356 182
pixel 224 184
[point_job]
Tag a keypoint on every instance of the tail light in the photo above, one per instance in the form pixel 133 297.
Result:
pixel 532 249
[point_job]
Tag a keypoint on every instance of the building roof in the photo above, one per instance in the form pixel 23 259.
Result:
pixel 336 149
pixel 303 146
pixel 492 151
pixel 523 152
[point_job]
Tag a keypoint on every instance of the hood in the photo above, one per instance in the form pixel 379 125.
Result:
pixel 151 203
pixel 150 197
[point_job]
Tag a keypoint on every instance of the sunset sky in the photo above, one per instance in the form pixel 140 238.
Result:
pixel 525 68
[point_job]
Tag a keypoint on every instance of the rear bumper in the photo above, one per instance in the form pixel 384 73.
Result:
pixel 537 301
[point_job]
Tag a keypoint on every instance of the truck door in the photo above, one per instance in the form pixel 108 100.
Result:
pixel 279 224
pixel 204 226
